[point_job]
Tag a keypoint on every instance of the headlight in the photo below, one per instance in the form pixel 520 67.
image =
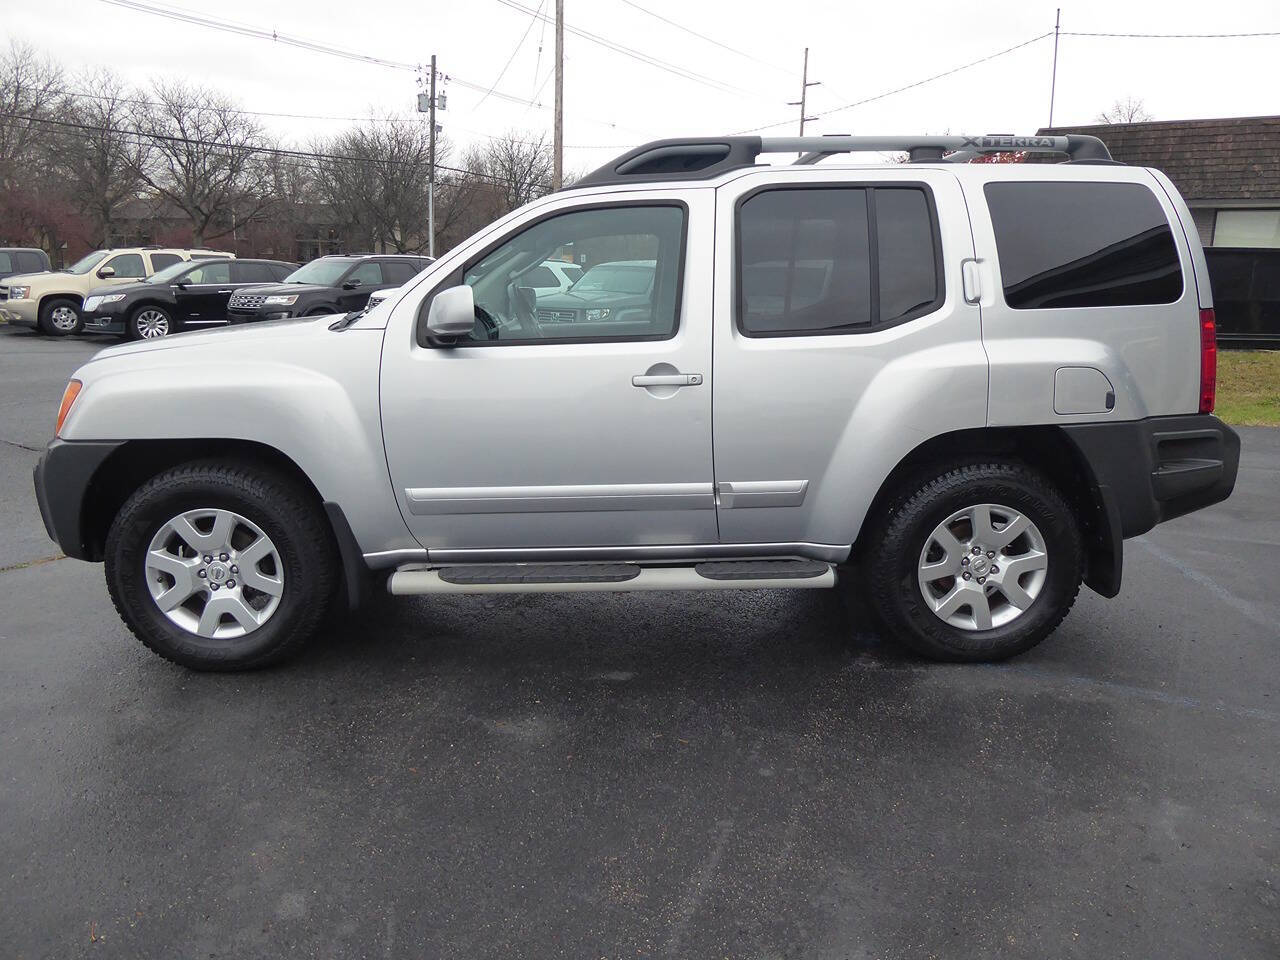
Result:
pixel 601 314
pixel 19 293
pixel 281 301
pixel 113 297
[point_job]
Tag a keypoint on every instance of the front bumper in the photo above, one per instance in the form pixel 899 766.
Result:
pixel 21 313
pixel 259 315
pixel 63 477
pixel 103 323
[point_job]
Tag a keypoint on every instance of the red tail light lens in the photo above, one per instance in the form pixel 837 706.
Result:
pixel 1208 360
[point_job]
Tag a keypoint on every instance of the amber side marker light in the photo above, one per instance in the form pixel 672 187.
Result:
pixel 68 398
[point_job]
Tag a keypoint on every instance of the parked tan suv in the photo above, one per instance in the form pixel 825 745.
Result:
pixel 51 300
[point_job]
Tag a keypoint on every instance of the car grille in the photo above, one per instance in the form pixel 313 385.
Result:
pixel 4 294
pixel 246 301
pixel 549 316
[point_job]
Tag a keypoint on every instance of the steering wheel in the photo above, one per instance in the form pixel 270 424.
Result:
pixel 524 310
pixel 488 326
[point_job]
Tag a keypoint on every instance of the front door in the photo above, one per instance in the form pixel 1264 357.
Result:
pixel 202 297
pixel 569 424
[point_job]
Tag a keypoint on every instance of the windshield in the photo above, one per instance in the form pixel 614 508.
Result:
pixel 169 273
pixel 615 278
pixel 87 262
pixel 324 272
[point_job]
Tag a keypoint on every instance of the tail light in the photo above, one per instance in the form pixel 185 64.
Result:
pixel 68 398
pixel 1208 360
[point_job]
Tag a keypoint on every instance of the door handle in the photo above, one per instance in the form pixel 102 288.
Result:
pixel 226 291
pixel 667 380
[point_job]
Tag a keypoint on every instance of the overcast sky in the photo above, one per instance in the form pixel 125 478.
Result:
pixel 613 101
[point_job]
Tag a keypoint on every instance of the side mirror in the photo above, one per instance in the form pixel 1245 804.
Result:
pixel 351 284
pixel 452 313
pixel 107 273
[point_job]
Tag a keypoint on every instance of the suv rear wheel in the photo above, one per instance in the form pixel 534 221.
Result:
pixel 60 317
pixel 220 566
pixel 981 562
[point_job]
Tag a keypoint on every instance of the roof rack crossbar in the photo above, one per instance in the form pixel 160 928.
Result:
pixel 693 158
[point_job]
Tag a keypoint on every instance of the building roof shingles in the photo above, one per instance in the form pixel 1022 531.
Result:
pixel 1234 158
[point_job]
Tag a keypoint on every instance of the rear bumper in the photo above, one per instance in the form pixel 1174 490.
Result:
pixel 62 478
pixel 1156 469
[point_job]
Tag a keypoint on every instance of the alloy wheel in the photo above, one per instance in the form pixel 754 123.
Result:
pixel 151 324
pixel 983 567
pixel 214 573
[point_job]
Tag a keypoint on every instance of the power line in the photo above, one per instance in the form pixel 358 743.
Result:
pixel 1172 36
pixel 634 54
pixel 703 36
pixel 519 43
pixel 244 147
pixel 908 86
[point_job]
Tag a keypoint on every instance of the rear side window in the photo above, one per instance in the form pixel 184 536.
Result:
pixel 835 260
pixel 399 271
pixel 1083 245
pixel 252 272
pixel 161 260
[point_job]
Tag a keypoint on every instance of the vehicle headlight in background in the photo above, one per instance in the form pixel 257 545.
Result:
pixel 19 293
pixel 112 297
pixel 601 314
pixel 281 300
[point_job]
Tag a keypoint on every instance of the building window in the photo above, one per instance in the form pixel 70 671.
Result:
pixel 1247 228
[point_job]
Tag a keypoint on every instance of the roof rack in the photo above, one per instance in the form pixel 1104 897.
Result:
pixel 701 159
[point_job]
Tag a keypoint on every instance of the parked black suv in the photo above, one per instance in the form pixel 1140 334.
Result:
pixel 15 260
pixel 337 284
pixel 184 294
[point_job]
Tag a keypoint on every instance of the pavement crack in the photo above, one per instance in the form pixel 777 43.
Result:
pixel 31 563
pixel 20 446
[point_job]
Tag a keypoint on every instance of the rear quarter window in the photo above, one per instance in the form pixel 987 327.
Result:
pixel 1083 245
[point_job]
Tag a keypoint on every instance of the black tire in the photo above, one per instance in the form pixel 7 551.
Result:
pixel 889 557
pixel 321 311
pixel 46 320
pixel 134 332
pixel 288 514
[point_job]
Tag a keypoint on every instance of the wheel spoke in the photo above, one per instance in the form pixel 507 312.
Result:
pixel 223 525
pixel 271 585
pixel 981 610
pixel 254 554
pixel 952 602
pixel 190 535
pixel 1010 532
pixel 1015 567
pixel 1014 593
pixel 983 531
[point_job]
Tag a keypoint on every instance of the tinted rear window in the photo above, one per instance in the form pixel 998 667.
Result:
pixel 1083 245
pixel 161 260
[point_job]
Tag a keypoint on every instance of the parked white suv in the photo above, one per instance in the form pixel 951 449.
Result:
pixel 956 386
pixel 52 301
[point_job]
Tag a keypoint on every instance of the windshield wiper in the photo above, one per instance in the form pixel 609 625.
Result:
pixel 347 320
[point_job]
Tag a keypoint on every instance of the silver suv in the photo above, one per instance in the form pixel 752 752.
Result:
pixel 957 387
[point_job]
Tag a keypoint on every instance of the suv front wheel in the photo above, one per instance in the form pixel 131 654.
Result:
pixel 980 562
pixel 221 566
pixel 60 317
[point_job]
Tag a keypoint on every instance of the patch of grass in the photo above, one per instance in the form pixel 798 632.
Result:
pixel 1249 387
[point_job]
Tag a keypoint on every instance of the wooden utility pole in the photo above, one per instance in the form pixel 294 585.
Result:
pixel 557 174
pixel 431 160
pixel 805 84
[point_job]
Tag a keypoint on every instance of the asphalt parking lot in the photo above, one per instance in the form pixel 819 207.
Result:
pixel 643 775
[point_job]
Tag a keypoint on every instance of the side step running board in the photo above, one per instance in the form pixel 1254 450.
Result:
pixel 612 577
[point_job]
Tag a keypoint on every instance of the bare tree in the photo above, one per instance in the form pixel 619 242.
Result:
pixel 375 177
pixel 30 97
pixel 519 163
pixel 101 157
pixel 205 158
pixel 1128 110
